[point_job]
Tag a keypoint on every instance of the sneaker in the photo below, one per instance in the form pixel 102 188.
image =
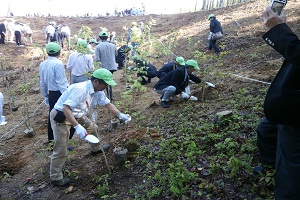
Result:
pixel 105 147
pixel 61 182
pixel 165 104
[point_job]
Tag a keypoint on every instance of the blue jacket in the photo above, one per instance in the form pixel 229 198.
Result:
pixel 282 102
pixel 176 78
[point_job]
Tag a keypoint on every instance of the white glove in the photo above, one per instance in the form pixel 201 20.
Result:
pixel 193 98
pixel 46 101
pixel 125 117
pixel 81 131
pixel 184 95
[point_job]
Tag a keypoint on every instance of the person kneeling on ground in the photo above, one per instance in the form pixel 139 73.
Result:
pixel 70 110
pixel 176 81
pixel 145 70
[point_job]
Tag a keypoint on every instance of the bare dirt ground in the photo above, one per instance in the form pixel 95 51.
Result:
pixel 24 161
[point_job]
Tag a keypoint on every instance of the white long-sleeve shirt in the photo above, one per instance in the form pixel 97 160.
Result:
pixel 81 97
pixel 79 64
pixel 66 29
pixel 50 29
pixel 52 76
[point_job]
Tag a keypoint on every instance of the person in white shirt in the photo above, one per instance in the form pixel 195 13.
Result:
pixel 71 110
pixel 80 63
pixel 49 32
pixel 53 80
pixel 92 45
pixel 11 30
pixel 18 34
pixel 65 32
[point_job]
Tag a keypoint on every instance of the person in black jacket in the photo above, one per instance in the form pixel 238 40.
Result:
pixel 176 81
pixel 145 70
pixel 2 33
pixel 282 106
pixel 170 66
pixel 122 53
pixel 214 27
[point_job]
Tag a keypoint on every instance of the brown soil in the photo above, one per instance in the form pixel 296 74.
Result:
pixel 24 161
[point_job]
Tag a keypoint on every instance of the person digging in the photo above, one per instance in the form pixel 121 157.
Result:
pixel 71 110
pixel 176 81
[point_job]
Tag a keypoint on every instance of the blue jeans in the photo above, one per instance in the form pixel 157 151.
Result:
pixel 213 45
pixel 167 93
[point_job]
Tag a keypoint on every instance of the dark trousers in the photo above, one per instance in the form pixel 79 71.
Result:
pixel 2 38
pixel 53 98
pixel 285 141
pixel 267 142
pixel 18 37
pixel 49 38
pixel 287 179
pixel 64 35
pixel 213 45
pixel 109 90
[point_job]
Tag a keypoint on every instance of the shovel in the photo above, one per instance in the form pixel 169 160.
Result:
pixel 92 139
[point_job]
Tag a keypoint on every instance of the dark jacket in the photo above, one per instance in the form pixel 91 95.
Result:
pixel 122 52
pixel 166 68
pixel 215 26
pixel 145 69
pixel 178 79
pixel 282 103
pixel 2 28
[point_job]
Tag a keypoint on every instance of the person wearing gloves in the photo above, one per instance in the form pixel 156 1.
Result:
pixel 282 108
pixel 71 110
pixel 80 63
pixel 53 80
pixel 170 66
pixel 176 81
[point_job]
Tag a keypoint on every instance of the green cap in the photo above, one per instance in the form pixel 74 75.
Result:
pixel 52 48
pixel 210 16
pixel 134 57
pixel 82 43
pixel 94 41
pixel 180 60
pixel 103 33
pixel 104 75
pixel 193 63
pixel 130 46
